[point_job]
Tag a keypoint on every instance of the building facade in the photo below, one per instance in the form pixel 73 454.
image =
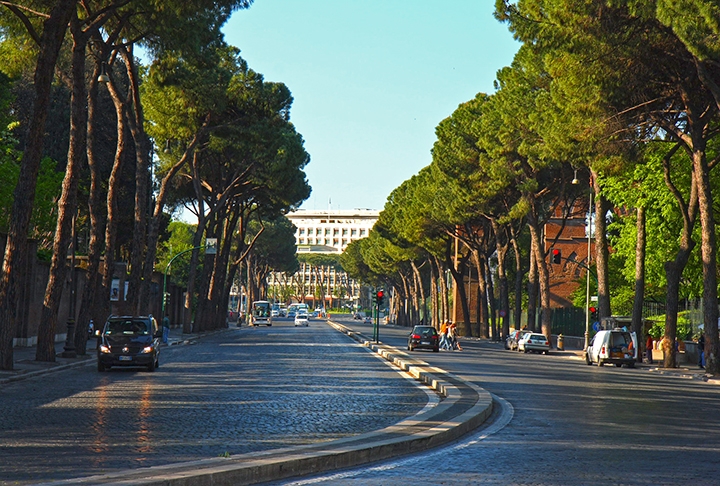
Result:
pixel 325 232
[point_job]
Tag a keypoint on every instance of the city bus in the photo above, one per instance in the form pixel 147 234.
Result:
pixel 261 313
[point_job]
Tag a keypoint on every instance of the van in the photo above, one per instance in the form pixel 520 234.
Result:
pixel 616 346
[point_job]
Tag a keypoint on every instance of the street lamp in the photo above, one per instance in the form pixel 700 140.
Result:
pixel 587 280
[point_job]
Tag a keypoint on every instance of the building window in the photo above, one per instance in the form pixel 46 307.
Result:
pixel 344 241
pixel 345 231
pixel 353 232
pixel 302 231
pixel 327 231
pixel 302 241
pixel 335 242
pixel 362 232
pixel 336 232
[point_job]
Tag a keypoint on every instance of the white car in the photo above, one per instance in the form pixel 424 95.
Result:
pixel 534 341
pixel 301 320
pixel 615 346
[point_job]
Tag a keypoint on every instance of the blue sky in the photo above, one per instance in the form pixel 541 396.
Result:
pixel 371 80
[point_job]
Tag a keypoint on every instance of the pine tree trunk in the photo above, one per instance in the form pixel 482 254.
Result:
pixel 67 206
pixel 640 245
pixel 16 247
pixel 602 255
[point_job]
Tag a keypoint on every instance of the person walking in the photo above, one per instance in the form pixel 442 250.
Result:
pixel 453 338
pixel 166 329
pixel 444 344
pixel 701 351
pixel 649 349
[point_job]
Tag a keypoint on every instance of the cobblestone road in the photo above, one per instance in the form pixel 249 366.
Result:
pixel 240 391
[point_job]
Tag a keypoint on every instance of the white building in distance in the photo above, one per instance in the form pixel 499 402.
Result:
pixel 330 231
pixel 325 232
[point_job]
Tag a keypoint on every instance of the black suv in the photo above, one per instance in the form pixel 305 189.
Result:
pixel 129 341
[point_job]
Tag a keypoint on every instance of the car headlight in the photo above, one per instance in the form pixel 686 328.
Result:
pixel 104 349
pixel 147 349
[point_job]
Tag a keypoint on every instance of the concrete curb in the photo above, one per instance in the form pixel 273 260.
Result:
pixel 465 407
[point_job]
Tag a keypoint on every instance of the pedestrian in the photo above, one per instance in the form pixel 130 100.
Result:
pixel 452 337
pixel 166 329
pixel 649 349
pixel 444 344
pixel 701 350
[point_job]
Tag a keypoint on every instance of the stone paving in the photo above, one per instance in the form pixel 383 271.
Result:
pixel 235 392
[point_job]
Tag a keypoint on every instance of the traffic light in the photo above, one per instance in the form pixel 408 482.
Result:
pixel 379 297
pixel 593 313
pixel 166 299
pixel 557 255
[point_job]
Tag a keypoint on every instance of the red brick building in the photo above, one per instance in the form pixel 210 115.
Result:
pixel 571 239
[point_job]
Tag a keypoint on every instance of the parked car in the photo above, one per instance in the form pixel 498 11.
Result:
pixel 301 319
pixel 533 341
pixel 424 337
pixel 357 316
pixel 367 320
pixel 511 341
pixel 615 346
pixel 129 341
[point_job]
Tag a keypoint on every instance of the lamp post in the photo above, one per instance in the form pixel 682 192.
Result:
pixel 210 249
pixel 587 279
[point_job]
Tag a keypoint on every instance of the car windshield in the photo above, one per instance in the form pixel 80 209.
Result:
pixel 127 326
pixel 425 331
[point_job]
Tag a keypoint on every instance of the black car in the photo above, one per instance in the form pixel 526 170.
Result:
pixel 129 341
pixel 424 337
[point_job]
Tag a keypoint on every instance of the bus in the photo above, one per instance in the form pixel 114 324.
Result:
pixel 261 313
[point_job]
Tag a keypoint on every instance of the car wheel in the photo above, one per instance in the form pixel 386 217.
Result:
pixel 101 367
pixel 546 352
pixel 601 362
pixel 587 359
pixel 618 365
pixel 631 365
pixel 157 363
pixel 151 366
pixel 436 349
pixel 525 351
pixel 411 348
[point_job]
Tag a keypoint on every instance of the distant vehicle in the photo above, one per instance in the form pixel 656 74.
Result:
pixel 275 313
pixel 357 316
pixel 424 337
pixel 534 341
pixel 615 346
pixel 129 341
pixel 261 313
pixel 282 310
pixel 301 319
pixel 511 342
pixel 368 320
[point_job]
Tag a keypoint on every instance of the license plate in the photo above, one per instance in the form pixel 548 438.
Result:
pixel 424 342
pixel 125 358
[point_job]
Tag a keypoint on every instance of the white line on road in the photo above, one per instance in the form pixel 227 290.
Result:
pixel 506 414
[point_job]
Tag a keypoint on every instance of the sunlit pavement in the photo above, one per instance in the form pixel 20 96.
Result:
pixel 394 427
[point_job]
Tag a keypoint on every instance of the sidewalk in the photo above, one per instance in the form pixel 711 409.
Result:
pixel 685 370
pixel 25 365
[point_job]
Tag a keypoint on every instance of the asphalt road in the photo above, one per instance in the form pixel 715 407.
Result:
pixel 236 392
pixel 561 422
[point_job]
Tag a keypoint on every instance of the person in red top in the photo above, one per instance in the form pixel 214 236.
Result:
pixel 649 349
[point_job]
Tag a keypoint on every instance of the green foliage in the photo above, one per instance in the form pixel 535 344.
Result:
pixel 684 327
pixel 180 239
